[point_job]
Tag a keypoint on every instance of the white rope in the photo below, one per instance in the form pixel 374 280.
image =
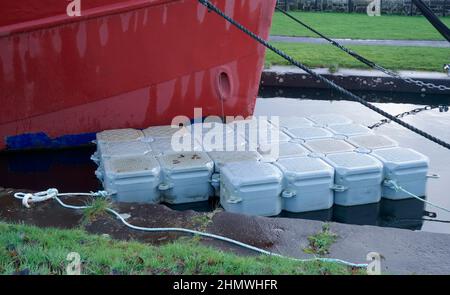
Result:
pixel 395 186
pixel 28 198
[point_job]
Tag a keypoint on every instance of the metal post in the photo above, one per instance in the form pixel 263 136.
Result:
pixel 444 8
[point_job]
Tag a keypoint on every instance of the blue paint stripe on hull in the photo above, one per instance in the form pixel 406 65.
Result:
pixel 42 140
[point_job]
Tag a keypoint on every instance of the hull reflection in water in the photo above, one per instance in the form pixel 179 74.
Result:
pixel 69 170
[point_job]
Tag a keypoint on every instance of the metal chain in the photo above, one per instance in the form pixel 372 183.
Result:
pixel 364 60
pixel 442 108
pixel 212 7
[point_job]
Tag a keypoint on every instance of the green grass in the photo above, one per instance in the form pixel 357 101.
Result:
pixel 44 251
pixel 321 242
pixel 97 208
pixel 358 26
pixel 391 57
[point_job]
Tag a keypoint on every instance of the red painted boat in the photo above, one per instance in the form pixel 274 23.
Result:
pixel 122 63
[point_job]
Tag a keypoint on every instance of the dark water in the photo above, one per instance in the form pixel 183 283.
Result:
pixel 71 170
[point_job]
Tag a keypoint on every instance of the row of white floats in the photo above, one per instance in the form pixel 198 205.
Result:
pixel 322 160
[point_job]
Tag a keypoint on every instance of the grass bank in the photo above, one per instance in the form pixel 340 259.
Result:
pixel 391 57
pixel 44 251
pixel 358 26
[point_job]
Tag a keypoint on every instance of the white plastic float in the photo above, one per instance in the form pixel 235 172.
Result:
pixel 308 184
pixel 319 161
pixel 251 188
pixel 132 179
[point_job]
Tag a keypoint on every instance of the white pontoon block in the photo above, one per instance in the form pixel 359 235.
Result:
pixel 307 184
pixel 166 131
pixel 253 122
pixel 325 120
pixel 308 133
pixel 255 131
pixel 222 158
pixel 407 168
pixel 372 141
pixel 251 188
pixel 172 145
pixel 186 177
pixel 358 178
pixel 349 129
pixel 117 135
pixel 292 122
pixel 274 152
pixel 118 149
pixel 133 179
pixel 199 130
pixel 328 146
pixel 104 138
pixel 217 137
pixel 263 136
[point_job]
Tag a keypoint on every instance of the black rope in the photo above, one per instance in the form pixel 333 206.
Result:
pixel 362 59
pixel 336 87
pixel 338 45
pixel 433 19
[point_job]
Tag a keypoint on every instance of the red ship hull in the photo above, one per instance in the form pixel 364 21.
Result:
pixel 123 63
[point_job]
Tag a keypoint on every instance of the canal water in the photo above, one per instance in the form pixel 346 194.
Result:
pixel 71 170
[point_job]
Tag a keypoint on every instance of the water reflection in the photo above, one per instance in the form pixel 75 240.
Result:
pixel 69 170
pixel 204 206
pixel 323 215
pixel 378 96
pixel 406 214
pixel 402 213
pixel 361 215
